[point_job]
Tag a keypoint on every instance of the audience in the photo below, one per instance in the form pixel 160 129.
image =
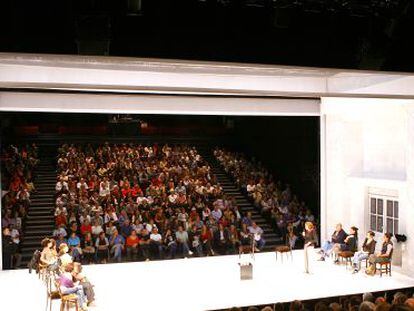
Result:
pixel 143 202
pixel 276 203
pixel 367 302
pixel 17 175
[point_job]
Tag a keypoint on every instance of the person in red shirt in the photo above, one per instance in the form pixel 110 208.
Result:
pixel 85 227
pixel 132 244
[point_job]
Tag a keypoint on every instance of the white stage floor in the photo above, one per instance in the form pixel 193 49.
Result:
pixel 202 284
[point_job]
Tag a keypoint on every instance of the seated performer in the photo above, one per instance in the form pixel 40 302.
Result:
pixel 338 236
pixel 368 248
pixel 350 243
pixel 385 254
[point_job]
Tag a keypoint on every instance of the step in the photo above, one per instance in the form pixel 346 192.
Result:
pixel 44 213
pixel 39 222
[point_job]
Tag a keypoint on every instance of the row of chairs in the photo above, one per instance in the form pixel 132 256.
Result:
pixel 53 291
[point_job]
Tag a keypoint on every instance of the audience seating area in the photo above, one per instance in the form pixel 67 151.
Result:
pixel 397 300
pixel 141 202
pixel 17 179
pixel 275 201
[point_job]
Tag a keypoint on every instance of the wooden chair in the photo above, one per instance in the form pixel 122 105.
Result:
pixel 243 249
pixel 283 249
pixel 384 267
pixel 52 291
pixel 66 300
pixel 347 257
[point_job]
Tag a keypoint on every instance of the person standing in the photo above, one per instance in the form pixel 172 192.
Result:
pixel 311 240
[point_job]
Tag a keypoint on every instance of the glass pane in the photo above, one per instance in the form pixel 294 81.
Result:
pixel 373 223
pixel 380 225
pixel 373 206
pixel 380 209
pixel 389 225
pixel 395 226
pixel 390 208
pixel 395 209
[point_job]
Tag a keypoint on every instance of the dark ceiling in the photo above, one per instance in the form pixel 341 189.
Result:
pixel 365 34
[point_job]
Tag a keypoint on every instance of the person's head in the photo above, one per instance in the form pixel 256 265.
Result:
pixel 155 230
pixel 399 298
pixel 367 306
pixel 379 300
pixel 63 248
pixel 370 235
pixel 334 306
pixel 309 226
pixel 69 267
pixel 368 296
pixel 267 308
pixel 6 231
pixel 354 230
pixel 383 306
pixel 386 237
pixel 254 224
pixel 102 235
pixel 321 306
pixel 354 301
pixel 410 302
pixel 338 227
pixel 296 305
pixel 45 242
pixel 180 228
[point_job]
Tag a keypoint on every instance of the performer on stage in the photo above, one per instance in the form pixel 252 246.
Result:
pixel 311 240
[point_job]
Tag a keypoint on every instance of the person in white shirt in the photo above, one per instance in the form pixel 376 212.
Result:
pixel 257 234
pixel 156 242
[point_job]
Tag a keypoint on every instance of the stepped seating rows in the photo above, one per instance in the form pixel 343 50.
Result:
pixel 40 218
pixel 272 239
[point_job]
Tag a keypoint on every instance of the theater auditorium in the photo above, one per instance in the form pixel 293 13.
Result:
pixel 184 185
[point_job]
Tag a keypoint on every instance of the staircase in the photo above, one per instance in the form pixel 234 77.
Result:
pixel 40 220
pixel 272 239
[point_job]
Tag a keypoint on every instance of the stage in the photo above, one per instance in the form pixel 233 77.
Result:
pixel 202 283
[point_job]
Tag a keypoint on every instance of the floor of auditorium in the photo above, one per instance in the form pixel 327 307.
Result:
pixel 202 284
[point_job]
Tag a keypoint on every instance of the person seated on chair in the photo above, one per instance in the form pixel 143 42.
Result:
pixel 102 248
pixel 384 255
pixel 49 256
pixel 291 237
pixel 131 244
pixel 64 257
pixel 222 240
pixel 338 237
pixel 350 243
pixel 74 244
pixel 79 276
pixel 117 243
pixel 257 233
pixel 67 286
pixel 368 248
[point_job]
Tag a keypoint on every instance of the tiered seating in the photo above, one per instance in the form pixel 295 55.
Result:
pixel 18 165
pixel 275 202
pixel 146 200
pixel 400 299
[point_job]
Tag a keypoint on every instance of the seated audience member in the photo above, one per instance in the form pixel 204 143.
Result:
pixel 368 296
pixel 156 243
pixel 338 237
pixel 350 243
pixel 366 306
pixel 102 248
pixel 116 243
pixel 222 240
pixel 11 256
pixel 144 243
pixel 74 244
pixel 257 233
pixel 182 241
pixel 384 255
pixel 170 243
pixel 67 286
pixel 88 248
pixel 131 244
pixel 368 248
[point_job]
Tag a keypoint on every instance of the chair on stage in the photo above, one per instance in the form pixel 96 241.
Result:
pixel 246 249
pixel 347 257
pixel 284 250
pixel 66 300
pixel 384 267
